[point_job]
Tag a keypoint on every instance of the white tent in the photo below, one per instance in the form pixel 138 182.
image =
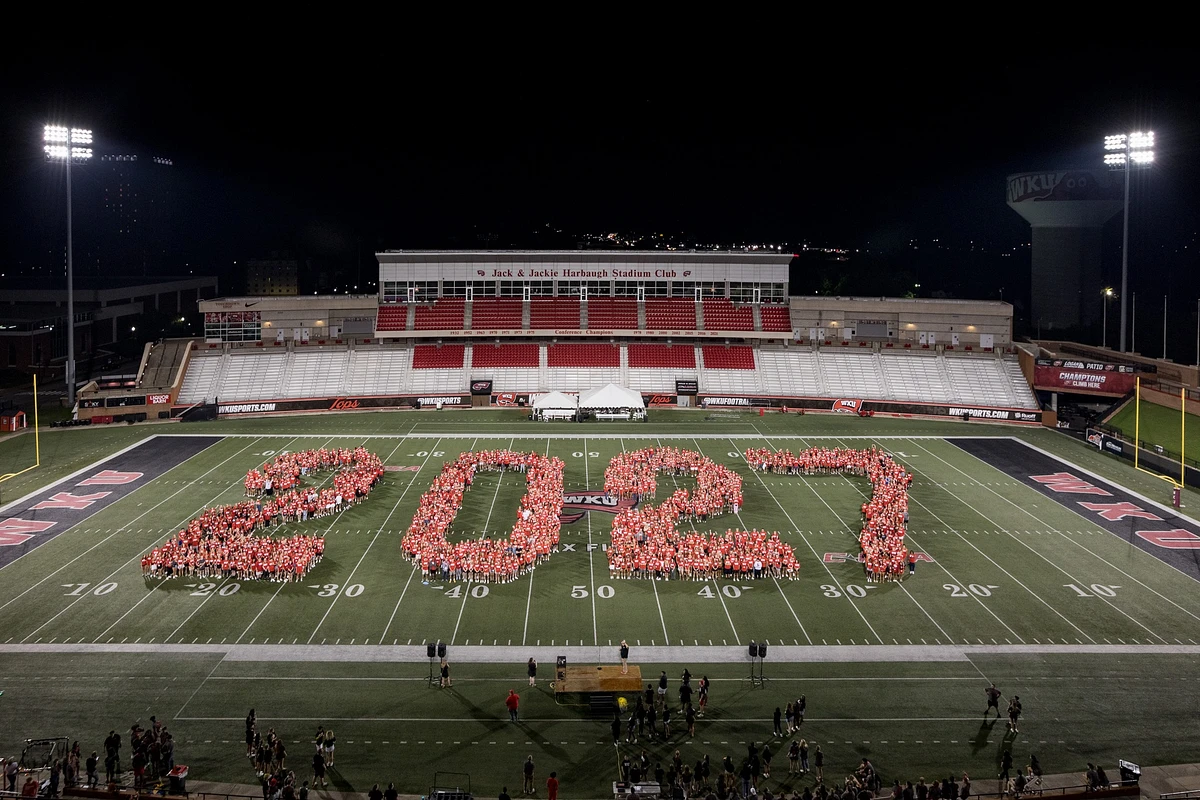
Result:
pixel 555 405
pixel 613 397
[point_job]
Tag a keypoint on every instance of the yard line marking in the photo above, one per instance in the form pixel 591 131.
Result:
pixel 387 519
pixel 587 478
pixel 200 686
pixel 138 556
pixel 111 532
pixel 528 603
pixel 972 545
pixel 773 578
pixel 731 625
pixel 487 522
pixel 475 720
pixel 820 560
pixel 939 562
pixel 412 572
pixel 1034 551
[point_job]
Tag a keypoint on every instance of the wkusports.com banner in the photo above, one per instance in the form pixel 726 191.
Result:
pixel 1086 377
pixel 851 405
pixel 342 404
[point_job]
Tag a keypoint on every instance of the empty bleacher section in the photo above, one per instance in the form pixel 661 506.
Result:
pixel 790 373
pixel 489 313
pixel 675 313
pixel 437 370
pixel 857 375
pixel 431 356
pixel 572 367
pixel 917 377
pixel 251 377
pixel 722 315
pixel 775 318
pixel 583 355
pixel 549 314
pixel 505 355
pixel 200 379
pixel 718 357
pixel 729 370
pixel 604 312
pixel 986 381
pixel 315 373
pixel 655 367
pixel 444 314
pixel 511 367
pixel 163 362
pixel 391 317
pixel 662 356
pixel 377 372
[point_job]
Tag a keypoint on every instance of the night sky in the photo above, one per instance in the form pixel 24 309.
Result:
pixel 331 151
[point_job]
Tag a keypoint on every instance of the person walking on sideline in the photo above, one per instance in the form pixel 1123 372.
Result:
pixel 778 723
pixel 511 703
pixel 624 657
pixel 445 673
pixel 527 769
pixel 532 669
pixel 552 786
pixel 818 763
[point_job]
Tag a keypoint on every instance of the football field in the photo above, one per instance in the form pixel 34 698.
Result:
pixel 1040 561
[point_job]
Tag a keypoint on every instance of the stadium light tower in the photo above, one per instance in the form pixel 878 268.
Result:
pixel 67 145
pixel 1107 292
pixel 1127 151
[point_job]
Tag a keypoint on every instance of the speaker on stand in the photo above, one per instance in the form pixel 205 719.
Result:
pixel 753 650
pixel 762 655
pixel 431 653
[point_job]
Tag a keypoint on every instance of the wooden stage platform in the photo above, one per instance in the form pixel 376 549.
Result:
pixel 598 680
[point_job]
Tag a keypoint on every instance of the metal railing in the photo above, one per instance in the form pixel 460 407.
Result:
pixel 1043 791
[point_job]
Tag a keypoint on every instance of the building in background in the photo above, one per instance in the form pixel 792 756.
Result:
pixel 272 277
pixel 126 208
pixel 1067 209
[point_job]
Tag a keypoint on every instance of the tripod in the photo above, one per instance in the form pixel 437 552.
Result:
pixel 434 682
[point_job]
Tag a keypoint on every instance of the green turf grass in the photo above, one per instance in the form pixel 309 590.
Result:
pixel 1160 426
pixel 1004 560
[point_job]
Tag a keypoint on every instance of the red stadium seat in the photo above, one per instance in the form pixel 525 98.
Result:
pixel 505 355
pixel 775 318
pixel 430 356
pixel 551 313
pixel 717 357
pixel 674 313
pixel 607 312
pixel 722 315
pixel 392 317
pixel 662 356
pixel 583 355
pixel 445 314
pixel 491 313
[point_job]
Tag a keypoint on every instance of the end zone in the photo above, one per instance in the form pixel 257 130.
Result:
pixel 1149 526
pixel 38 517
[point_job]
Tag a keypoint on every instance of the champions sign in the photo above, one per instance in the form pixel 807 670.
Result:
pixel 1083 376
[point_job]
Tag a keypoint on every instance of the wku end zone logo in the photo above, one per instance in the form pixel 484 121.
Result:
pixel 847 405
pixel 577 504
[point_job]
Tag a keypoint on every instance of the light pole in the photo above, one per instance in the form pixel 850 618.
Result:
pixel 1108 293
pixel 68 145
pixel 1126 151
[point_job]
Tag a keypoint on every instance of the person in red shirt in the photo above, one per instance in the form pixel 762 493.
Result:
pixel 552 786
pixel 511 702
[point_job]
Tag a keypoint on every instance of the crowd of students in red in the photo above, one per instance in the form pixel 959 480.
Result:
pixel 534 533
pixel 885 513
pixel 226 541
pixel 646 542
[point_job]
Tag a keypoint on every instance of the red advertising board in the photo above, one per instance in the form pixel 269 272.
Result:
pixel 1084 381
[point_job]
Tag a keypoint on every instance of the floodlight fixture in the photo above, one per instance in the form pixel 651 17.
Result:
pixel 66 145
pixel 1127 151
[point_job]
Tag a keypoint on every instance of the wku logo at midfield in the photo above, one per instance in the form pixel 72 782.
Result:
pixel 576 504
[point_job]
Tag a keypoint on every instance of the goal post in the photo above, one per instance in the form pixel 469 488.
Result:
pixel 37 442
pixel 1137 437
